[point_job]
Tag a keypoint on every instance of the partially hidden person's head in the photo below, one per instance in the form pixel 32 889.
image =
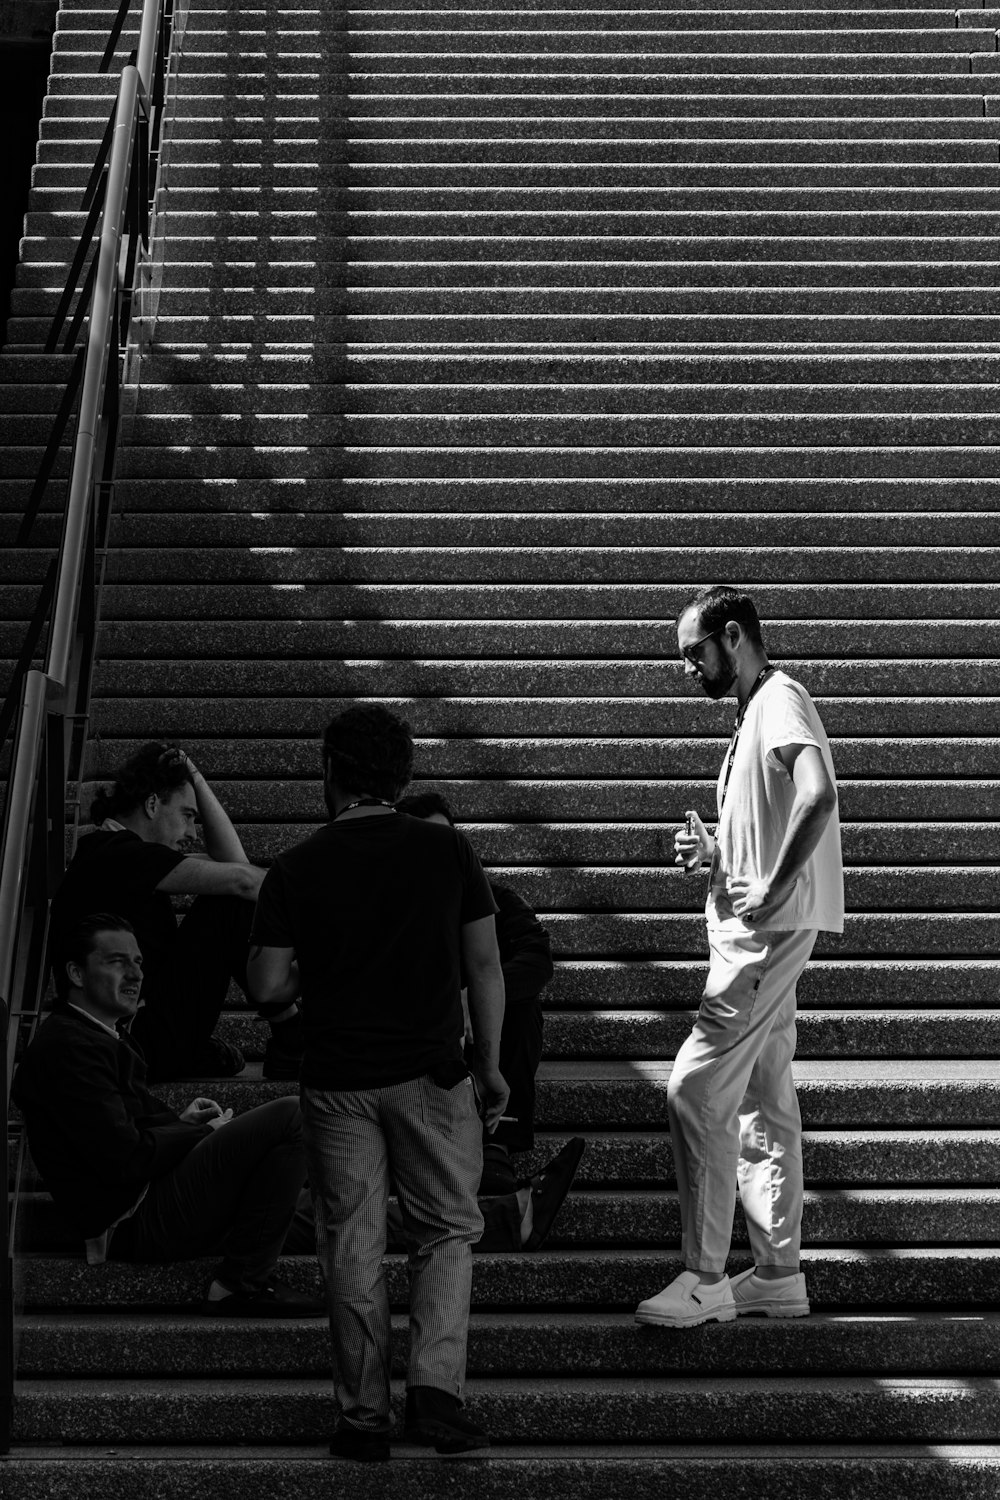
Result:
pixel 715 629
pixel 98 966
pixel 153 795
pixel 367 752
pixel 430 807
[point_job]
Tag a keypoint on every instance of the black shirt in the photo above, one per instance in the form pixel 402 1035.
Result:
pixel 373 907
pixel 117 871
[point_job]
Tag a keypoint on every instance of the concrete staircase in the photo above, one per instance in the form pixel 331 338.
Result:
pixel 483 337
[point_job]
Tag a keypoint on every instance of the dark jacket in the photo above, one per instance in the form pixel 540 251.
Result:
pixel 96 1133
pixel 525 950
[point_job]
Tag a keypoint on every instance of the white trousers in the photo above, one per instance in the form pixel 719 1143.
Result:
pixel 734 1116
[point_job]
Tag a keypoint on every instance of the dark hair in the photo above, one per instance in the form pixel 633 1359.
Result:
pixel 366 749
pixel 155 770
pixel 78 942
pixel 425 805
pixel 714 606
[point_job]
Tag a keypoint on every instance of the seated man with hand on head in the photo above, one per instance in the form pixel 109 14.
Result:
pixel 133 863
pixel 138 1180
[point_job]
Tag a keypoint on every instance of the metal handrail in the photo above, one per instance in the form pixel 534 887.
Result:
pixel 49 734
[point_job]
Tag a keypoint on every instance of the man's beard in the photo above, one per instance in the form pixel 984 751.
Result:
pixel 718 685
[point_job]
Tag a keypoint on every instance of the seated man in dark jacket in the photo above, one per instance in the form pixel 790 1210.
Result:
pixel 136 1179
pixel 526 960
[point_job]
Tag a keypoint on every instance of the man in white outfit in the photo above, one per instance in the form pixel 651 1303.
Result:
pixel 776 879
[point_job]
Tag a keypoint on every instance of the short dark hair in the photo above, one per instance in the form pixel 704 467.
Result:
pixel 78 942
pixel 721 602
pixel 367 749
pixel 155 770
pixel 425 805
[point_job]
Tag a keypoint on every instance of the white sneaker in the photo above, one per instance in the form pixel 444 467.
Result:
pixel 687 1301
pixel 785 1298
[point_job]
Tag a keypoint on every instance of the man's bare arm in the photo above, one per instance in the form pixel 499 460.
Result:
pixel 196 876
pixel 222 842
pixel 272 976
pixel 481 963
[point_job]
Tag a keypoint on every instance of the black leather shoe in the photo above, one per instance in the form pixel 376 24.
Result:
pixel 276 1300
pixel 549 1189
pixel 363 1447
pixel 434 1420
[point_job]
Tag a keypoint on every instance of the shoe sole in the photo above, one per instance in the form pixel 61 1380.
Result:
pixel 774 1309
pixel 665 1320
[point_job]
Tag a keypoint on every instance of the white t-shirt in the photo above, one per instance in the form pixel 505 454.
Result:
pixel 758 801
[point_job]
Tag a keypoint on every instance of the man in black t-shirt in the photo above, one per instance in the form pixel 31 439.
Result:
pixel 132 863
pixel 526 960
pixel 375 919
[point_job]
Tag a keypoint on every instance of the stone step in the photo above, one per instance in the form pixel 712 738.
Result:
pixel 686 759
pixel 395 679
pixel 652 462
pixel 127 717
pixel 643 19
pixel 566 1345
pixel 392 400
pixel 851 326
pixel 964 1471
pixel 868 96
pixel 874 844
pixel 710 58
pixel 207 152
pixel 519 229
pixel 847 1159
pixel 870 1217
pixel 471 640
pixel 401 311
pixel 569 799
pixel 291 275
pixel 442 7
pixel 544 429
pixel 599 800
pixel 469 80
pixel 610 1280
pixel 281 123
pixel 840 1094
pixel 625 539
pixel 602 256
pixel 601 495
pixel 359 368
pixel 647 1409
pixel 493 602
pixel 498 174
pixel 650 1035
pixel 566 40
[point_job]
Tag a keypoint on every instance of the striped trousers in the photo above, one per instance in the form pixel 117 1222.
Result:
pixel 427 1141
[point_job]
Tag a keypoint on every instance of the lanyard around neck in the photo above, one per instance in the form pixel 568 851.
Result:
pixel 736 733
pixel 363 802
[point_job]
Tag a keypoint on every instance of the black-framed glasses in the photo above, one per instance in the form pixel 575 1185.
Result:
pixel 686 650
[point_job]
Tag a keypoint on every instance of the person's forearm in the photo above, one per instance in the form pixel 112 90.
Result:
pixel 810 813
pixel 486 1006
pixel 222 842
pixel 268 982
